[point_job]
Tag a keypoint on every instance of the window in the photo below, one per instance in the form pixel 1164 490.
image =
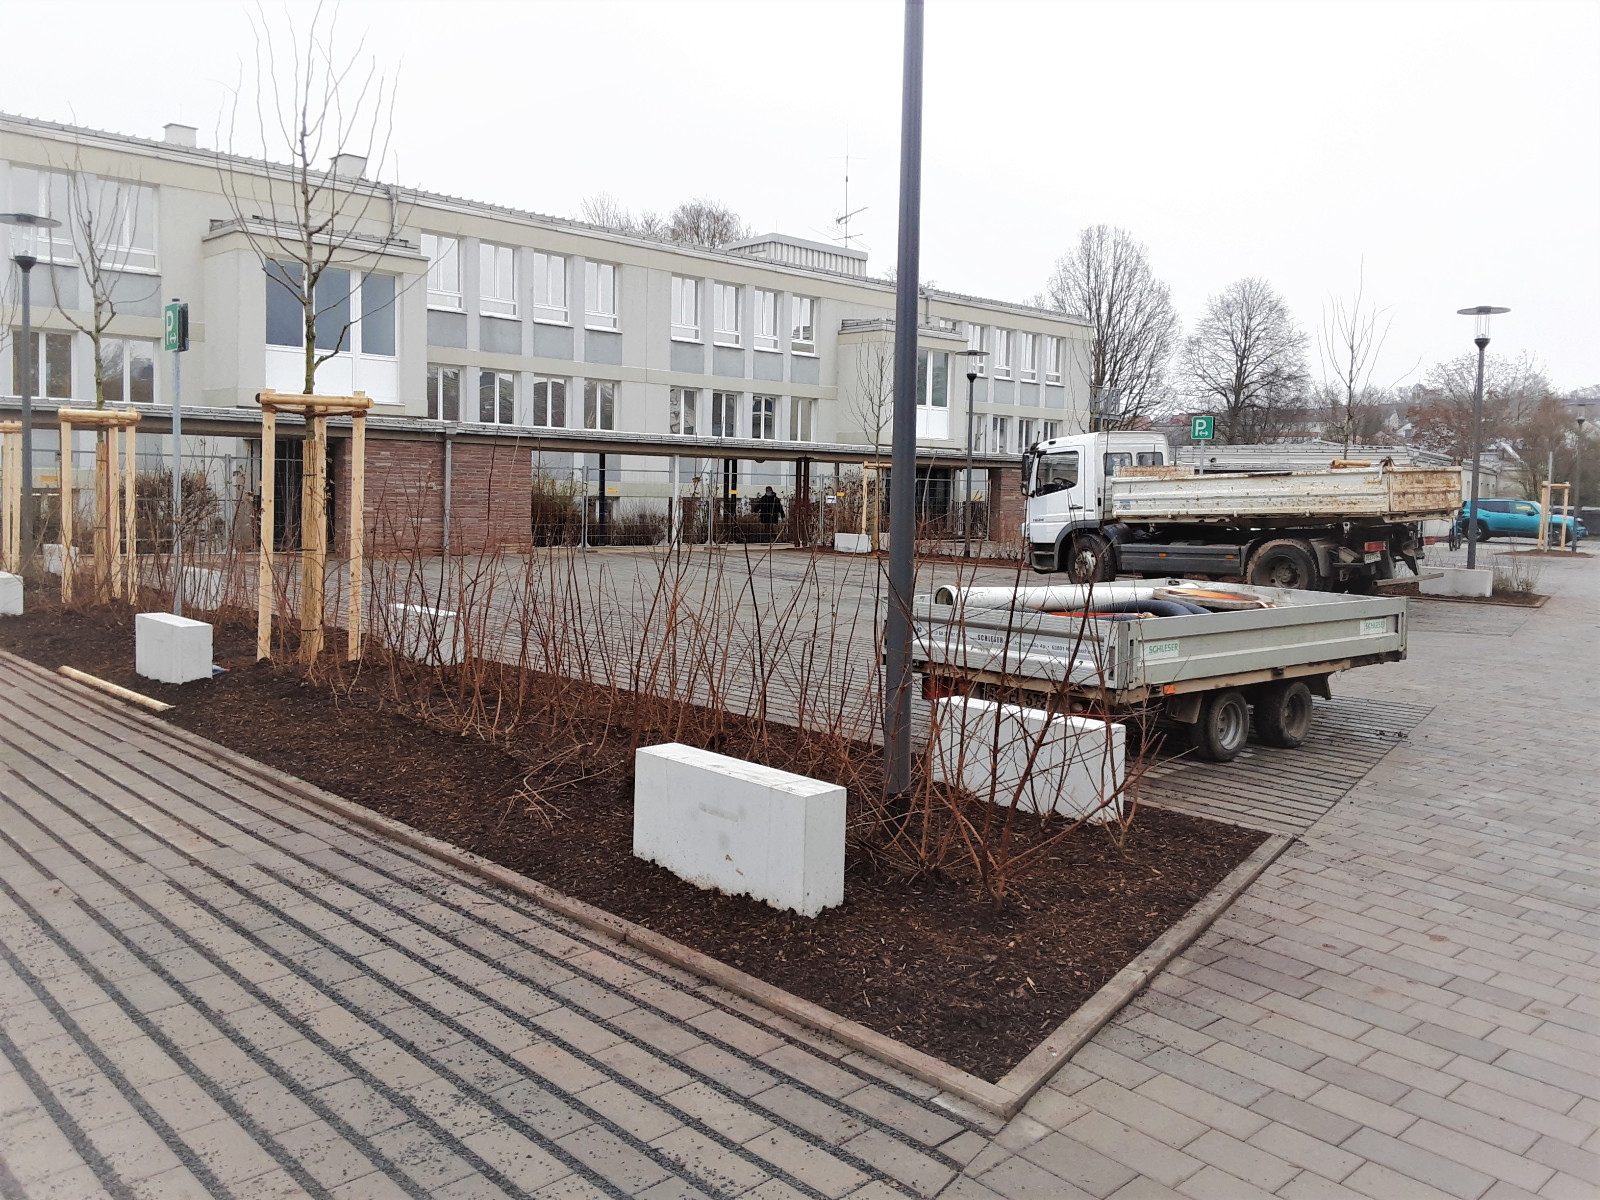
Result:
pixel 802 414
pixel 599 404
pixel 1050 431
pixel 125 216
pixel 497 398
pixel 933 379
pixel 52 352
pixel 683 407
pixel 764 417
pixel 1002 354
pixel 1052 360
pixel 1027 357
pixel 1149 458
pixel 128 370
pixel 497 280
pixel 444 393
pixel 46 194
pixel 444 270
pixel 802 332
pixel 725 305
pixel 999 435
pixel 975 342
pixel 549 288
pixel 766 305
pixel 377 314
pixel 1116 460
pixel 549 402
pixel 1055 473
pixel 685 308
pixel 724 414
pixel 286 318
pixel 1026 428
pixel 332 301
pixel 600 295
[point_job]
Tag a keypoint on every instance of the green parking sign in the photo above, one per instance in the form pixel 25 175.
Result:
pixel 1202 429
pixel 176 329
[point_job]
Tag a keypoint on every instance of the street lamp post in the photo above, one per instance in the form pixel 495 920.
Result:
pixel 972 357
pixel 1577 474
pixel 1480 314
pixel 25 229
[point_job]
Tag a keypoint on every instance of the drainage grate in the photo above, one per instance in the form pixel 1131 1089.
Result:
pixel 1283 791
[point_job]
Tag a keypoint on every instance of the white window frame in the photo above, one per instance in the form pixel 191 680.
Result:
pixel 1052 360
pixel 802 324
pixel 594 398
pixel 999 434
pixel 685 308
pixel 1027 356
pixel 548 382
pixel 1026 430
pixel 766 319
pixel 975 341
pixel 126 343
pixel 497 280
pixel 725 329
pixel 595 276
pixel 443 253
pixel 438 399
pixel 1002 354
pixel 50 196
pixel 1049 431
pixel 802 419
pixel 122 251
pixel 683 410
pixel 549 288
pixel 725 405
pixel 500 417
pixel 764 417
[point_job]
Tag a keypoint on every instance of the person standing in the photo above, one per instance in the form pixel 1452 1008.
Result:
pixel 770 509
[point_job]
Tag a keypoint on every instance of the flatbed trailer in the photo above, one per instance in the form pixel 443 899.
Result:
pixel 1260 648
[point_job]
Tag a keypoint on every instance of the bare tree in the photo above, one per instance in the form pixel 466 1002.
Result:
pixel 1106 278
pixel 1442 405
pixel 1348 343
pixel 706 223
pixel 316 216
pixel 1246 362
pixel 606 211
pixel 872 399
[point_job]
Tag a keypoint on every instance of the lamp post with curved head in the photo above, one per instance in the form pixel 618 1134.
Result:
pixel 1577 474
pixel 1480 314
pixel 26 229
pixel 972 357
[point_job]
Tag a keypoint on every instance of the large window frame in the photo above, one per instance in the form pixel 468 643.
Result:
pixel 444 392
pixel 725 414
pixel 550 288
pixel 725 323
pixel 1027 356
pixel 444 272
pixel 599 404
pixel 685 308
pixel 51 363
pixel 975 341
pixel 547 403
pixel 764 418
pixel 600 295
pixel 355 310
pixel 47 193
pixel 1052 360
pixel 802 418
pixel 497 280
pixel 128 370
pixel 802 324
pixel 683 409
pixel 497 397
pixel 1002 353
pixel 765 304
pixel 933 379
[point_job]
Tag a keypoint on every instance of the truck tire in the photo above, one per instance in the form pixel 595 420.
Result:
pixel 1223 727
pixel 1283 713
pixel 1285 563
pixel 1088 559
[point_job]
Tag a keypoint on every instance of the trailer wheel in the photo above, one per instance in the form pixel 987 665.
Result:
pixel 1285 563
pixel 1088 559
pixel 1283 713
pixel 1223 726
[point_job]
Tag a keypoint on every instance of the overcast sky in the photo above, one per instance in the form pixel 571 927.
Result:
pixel 1452 147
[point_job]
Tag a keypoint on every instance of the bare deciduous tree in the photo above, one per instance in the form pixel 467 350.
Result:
pixel 606 211
pixel 1246 361
pixel 323 120
pixel 1441 411
pixel 872 398
pixel 1107 279
pixel 706 223
pixel 1348 343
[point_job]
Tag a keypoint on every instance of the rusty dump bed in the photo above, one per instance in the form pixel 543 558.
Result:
pixel 1380 494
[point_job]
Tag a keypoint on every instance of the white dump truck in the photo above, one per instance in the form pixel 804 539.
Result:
pixel 1101 505
pixel 1202 654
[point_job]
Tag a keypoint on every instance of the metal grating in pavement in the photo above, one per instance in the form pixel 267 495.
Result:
pixel 1283 791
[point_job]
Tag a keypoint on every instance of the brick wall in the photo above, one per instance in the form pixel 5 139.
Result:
pixel 491 498
pixel 1008 505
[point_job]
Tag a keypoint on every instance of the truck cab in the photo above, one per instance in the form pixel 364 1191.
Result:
pixel 1065 480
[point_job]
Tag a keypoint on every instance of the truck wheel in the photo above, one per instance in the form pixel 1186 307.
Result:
pixel 1283 714
pixel 1088 559
pixel 1285 563
pixel 1223 726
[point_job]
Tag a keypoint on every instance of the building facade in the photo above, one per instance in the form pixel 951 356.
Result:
pixel 554 341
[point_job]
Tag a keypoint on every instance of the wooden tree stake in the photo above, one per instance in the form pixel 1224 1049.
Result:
pixel 66 511
pixel 269 465
pixel 358 487
pixel 313 536
pixel 130 541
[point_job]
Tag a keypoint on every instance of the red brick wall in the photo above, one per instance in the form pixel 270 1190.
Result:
pixel 404 496
pixel 491 498
pixel 1008 505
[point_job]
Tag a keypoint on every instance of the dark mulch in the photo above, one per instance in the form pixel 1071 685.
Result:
pixel 928 962
pixel 1413 591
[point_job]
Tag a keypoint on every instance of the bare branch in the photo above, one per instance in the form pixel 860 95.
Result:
pixel 1246 362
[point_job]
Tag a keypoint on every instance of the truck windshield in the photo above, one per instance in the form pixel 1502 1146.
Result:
pixel 1055 473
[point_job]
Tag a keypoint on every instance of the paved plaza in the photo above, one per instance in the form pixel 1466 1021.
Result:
pixel 208 990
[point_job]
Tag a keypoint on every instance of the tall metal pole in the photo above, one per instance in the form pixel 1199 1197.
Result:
pixel 177 483
pixel 903 481
pixel 966 537
pixel 1477 453
pixel 1577 481
pixel 25 262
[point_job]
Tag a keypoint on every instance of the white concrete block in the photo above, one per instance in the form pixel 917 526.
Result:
pixel 52 557
pixel 171 649
pixel 429 635
pixel 1457 581
pixel 1045 763
pixel 748 830
pixel 10 595
pixel 852 543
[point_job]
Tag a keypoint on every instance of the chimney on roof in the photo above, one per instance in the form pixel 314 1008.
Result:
pixel 349 166
pixel 180 135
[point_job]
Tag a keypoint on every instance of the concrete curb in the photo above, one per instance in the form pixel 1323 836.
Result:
pixel 1003 1099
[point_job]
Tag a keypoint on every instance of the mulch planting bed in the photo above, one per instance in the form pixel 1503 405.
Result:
pixel 929 962
pixel 1413 591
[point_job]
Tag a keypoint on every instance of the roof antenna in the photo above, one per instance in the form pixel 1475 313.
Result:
pixel 842 221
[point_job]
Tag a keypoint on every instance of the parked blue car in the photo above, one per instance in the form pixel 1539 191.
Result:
pixel 1516 518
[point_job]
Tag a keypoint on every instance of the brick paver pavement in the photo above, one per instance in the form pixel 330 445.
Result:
pixel 204 991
